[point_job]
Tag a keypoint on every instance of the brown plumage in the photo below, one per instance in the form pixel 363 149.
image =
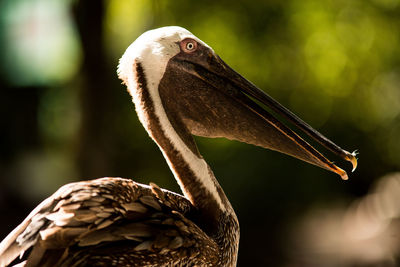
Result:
pixel 113 222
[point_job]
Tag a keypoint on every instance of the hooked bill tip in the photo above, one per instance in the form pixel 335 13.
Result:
pixel 352 158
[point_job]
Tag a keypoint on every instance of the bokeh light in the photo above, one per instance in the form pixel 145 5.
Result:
pixel 39 42
pixel 364 233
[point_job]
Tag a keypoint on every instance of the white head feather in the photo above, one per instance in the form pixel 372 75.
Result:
pixel 153 49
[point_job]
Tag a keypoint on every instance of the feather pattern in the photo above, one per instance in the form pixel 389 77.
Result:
pixel 112 222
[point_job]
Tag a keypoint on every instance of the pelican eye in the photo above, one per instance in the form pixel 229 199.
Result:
pixel 189 45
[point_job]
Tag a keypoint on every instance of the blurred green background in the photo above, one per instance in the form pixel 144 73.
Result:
pixel 66 117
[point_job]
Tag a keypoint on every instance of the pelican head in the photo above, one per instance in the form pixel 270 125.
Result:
pixel 193 89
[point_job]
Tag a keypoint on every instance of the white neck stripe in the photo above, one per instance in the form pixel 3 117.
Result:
pixel 154 57
pixel 196 164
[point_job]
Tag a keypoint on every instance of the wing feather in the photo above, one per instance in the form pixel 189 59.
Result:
pixel 112 219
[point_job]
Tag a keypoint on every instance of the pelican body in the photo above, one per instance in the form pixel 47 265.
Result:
pixel 180 88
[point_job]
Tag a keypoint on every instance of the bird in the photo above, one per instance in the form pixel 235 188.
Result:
pixel 180 88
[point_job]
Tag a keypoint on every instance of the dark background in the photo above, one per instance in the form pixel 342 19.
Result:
pixel 66 117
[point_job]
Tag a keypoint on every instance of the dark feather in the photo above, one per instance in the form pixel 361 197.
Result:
pixel 112 219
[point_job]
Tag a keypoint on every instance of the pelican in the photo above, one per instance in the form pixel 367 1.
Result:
pixel 180 88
